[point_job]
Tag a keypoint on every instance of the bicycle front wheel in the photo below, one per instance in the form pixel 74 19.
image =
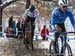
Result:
pixel 68 51
pixel 51 49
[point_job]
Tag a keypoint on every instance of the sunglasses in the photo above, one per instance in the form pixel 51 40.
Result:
pixel 64 6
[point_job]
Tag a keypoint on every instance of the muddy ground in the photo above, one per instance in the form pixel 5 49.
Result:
pixel 15 47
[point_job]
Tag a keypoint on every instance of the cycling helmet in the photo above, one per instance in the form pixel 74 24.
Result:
pixel 32 8
pixel 63 2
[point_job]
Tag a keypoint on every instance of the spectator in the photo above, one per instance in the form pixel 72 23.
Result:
pixel 44 32
pixel 10 29
pixel 14 28
pixel 19 35
pixel 10 22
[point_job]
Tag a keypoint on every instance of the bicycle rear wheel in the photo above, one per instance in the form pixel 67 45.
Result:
pixel 26 43
pixel 51 49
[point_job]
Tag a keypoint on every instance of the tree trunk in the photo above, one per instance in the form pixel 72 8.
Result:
pixel 28 2
pixel 0 17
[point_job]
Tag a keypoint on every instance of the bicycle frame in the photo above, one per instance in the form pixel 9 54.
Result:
pixel 63 37
pixel 62 40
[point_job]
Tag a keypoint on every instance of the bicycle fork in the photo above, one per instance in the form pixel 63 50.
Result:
pixel 56 47
pixel 59 50
pixel 63 42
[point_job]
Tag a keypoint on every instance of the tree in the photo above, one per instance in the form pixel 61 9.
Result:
pixel 47 0
pixel 0 15
pixel 2 6
pixel 28 3
pixel 5 4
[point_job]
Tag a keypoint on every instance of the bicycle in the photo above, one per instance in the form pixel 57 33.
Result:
pixel 28 41
pixel 66 50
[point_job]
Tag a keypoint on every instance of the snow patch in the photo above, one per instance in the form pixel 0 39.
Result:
pixel 44 45
pixel 3 41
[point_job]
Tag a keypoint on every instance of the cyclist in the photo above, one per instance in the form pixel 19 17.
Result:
pixel 30 15
pixel 58 18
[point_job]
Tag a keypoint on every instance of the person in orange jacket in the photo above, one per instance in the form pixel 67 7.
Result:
pixel 44 32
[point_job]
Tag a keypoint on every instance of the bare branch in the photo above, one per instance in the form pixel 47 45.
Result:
pixel 37 1
pixel 5 4
pixel 28 3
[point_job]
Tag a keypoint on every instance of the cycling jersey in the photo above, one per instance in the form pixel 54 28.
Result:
pixel 34 14
pixel 58 17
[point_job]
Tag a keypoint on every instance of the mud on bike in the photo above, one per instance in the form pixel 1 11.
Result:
pixel 59 46
pixel 28 40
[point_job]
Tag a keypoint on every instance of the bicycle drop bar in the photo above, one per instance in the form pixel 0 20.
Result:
pixel 67 32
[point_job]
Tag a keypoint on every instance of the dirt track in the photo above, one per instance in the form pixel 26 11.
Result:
pixel 16 48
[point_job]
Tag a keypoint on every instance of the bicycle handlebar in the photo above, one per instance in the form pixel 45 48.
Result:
pixel 67 32
pixel 74 30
